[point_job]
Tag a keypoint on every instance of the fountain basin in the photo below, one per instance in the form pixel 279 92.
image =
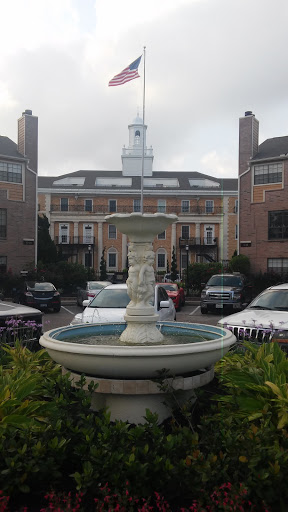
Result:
pixel 137 362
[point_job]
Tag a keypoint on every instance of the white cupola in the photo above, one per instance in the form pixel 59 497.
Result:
pixel 132 156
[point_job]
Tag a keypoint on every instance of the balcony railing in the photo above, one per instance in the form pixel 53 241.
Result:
pixel 104 209
pixel 74 240
pixel 197 242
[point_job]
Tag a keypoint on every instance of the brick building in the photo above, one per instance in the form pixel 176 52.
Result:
pixel 18 196
pixel 76 205
pixel 263 198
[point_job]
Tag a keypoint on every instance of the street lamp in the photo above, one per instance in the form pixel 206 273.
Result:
pixel 187 261
pixel 89 261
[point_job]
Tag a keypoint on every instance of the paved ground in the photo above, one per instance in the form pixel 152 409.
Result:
pixel 189 313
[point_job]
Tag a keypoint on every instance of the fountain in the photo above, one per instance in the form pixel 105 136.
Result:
pixel 126 371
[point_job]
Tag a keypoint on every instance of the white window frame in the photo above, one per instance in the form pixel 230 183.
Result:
pixel 65 199
pixel 209 206
pixel 88 234
pixel 138 203
pixel 109 205
pixel 112 232
pixel 268 170
pixel 185 209
pixel 185 226
pixel 161 252
pixel 161 205
pixel 86 205
pixel 162 236
pixel 64 233
pixel 209 229
pixel 112 251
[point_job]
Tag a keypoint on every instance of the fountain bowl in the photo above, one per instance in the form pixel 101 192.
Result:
pixel 140 361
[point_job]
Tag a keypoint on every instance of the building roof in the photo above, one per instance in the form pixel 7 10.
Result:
pixel 162 180
pixel 9 148
pixel 271 148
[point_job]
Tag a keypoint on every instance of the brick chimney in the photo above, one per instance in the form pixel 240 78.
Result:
pixel 248 139
pixel 28 138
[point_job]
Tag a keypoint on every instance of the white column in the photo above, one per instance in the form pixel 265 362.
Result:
pixel 76 230
pixel 100 242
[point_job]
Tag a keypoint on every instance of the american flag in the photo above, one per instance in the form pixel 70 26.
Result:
pixel 127 74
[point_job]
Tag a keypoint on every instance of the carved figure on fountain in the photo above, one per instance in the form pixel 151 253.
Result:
pixel 133 275
pixel 146 280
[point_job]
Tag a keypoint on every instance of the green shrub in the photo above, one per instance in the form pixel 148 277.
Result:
pixel 240 263
pixel 51 440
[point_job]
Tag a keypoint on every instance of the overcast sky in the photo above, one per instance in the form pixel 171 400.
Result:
pixel 207 62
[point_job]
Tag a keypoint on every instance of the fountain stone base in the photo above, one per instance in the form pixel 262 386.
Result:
pixel 128 400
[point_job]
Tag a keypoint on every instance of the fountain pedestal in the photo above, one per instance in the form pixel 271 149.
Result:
pixel 128 400
pixel 140 316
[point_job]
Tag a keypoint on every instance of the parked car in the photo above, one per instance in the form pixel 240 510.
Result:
pixel 110 304
pixel 22 322
pixel 89 290
pixel 265 319
pixel 167 278
pixel 176 293
pixel 41 295
pixel 226 291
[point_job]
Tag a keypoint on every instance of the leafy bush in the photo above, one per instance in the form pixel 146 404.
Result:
pixel 50 440
pixel 240 263
pixel 199 273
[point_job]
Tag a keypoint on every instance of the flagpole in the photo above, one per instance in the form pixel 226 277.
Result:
pixel 143 128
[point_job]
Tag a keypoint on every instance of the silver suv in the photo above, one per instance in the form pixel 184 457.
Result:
pixel 226 291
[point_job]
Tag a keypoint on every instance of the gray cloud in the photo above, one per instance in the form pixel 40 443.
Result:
pixel 207 62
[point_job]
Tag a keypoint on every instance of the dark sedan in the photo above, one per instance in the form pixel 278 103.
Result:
pixel 40 295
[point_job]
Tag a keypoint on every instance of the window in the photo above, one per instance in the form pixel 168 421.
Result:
pixel 112 259
pixel 88 205
pixel 64 234
pixel 185 206
pixel 236 232
pixel 137 137
pixel 185 232
pixel 64 204
pixel 88 237
pixel 184 257
pixel 161 205
pixel 268 173
pixel 3 264
pixel 112 205
pixel 161 259
pixel 278 265
pixel 112 232
pixel 278 225
pixel 10 172
pixel 88 259
pixel 209 206
pixel 162 236
pixel 236 206
pixel 136 205
pixel 3 223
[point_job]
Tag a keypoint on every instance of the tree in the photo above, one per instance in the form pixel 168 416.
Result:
pixel 103 268
pixel 240 263
pixel 167 267
pixel 174 271
pixel 47 251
